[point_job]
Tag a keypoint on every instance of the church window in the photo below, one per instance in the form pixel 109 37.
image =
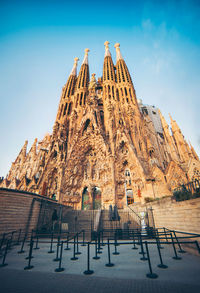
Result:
pixel 151 153
pixel 77 100
pixel 81 99
pixel 65 109
pixel 129 181
pixel 84 98
pixel 127 173
pixel 113 92
pixel 154 112
pixel 130 94
pixel 125 91
pixel 69 108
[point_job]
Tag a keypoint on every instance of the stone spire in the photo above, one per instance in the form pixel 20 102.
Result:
pixel 118 52
pixel 107 51
pixel 171 147
pixel 85 60
pixel 68 91
pixel 83 77
pixel 74 69
pixel 182 146
pixel 82 82
pixel 108 66
pixel 123 75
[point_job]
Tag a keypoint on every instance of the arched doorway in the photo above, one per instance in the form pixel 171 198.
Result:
pixel 96 195
pixel 86 205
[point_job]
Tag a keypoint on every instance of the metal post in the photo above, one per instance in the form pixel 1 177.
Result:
pixel 36 246
pixel 165 234
pixel 197 245
pixel 67 247
pixel 19 236
pixel 22 247
pixel 2 240
pixel 83 238
pixel 88 271
pixel 77 249
pixel 59 269
pixel 115 244
pixel 29 267
pixel 57 251
pixel 180 248
pixel 150 275
pixel 158 238
pixel 161 265
pixel 99 244
pixel 176 256
pixel 134 246
pixel 109 264
pixel 74 250
pixel 142 249
pixel 51 245
pixel 96 257
pixel 4 256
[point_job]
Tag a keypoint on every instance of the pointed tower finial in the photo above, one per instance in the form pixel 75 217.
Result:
pixel 107 52
pixel 85 60
pixel 74 69
pixel 118 53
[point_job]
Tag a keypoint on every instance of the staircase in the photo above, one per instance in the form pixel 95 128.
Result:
pixel 79 220
pixel 128 220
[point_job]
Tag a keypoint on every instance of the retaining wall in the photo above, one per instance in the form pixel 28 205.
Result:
pixel 26 211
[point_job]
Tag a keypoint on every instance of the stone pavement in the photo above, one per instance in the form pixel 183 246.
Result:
pixel 127 275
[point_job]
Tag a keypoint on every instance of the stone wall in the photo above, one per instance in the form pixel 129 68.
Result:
pixel 26 211
pixel 181 216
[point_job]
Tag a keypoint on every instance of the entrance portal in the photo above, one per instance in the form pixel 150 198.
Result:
pixel 86 200
pixel 96 195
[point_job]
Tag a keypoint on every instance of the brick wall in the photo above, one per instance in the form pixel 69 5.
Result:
pixel 26 211
pixel 182 216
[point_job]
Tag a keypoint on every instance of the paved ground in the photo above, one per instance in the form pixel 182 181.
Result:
pixel 127 275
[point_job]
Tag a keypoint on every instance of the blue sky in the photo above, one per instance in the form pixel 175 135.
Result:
pixel 160 42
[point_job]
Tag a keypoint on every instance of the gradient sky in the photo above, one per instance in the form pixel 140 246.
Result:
pixel 160 42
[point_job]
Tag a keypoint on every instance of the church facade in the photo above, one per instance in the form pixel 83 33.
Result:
pixel 106 147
